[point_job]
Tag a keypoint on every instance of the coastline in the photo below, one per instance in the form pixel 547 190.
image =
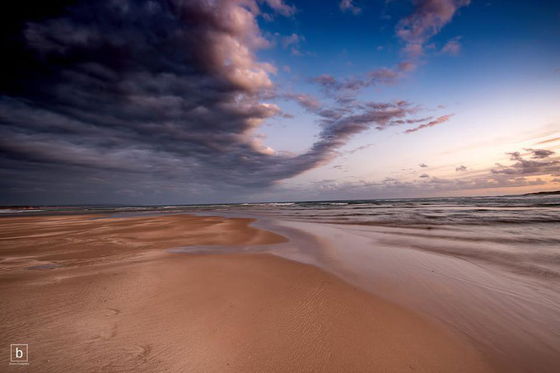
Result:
pixel 119 299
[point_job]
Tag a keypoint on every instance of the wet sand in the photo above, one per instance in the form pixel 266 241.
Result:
pixel 105 295
pixel 514 319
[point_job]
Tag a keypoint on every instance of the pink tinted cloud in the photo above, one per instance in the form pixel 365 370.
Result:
pixel 428 18
pixel 349 6
pixel 307 101
pixel 281 7
pixel 414 50
pixel 406 66
pixel 293 42
pixel 435 122
pixel 452 47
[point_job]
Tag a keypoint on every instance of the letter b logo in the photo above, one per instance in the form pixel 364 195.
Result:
pixel 19 353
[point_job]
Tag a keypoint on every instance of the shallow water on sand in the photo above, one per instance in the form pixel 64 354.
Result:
pixel 516 234
pixel 513 317
pixel 488 267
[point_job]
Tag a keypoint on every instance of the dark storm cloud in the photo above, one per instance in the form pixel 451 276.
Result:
pixel 115 98
pixel 142 87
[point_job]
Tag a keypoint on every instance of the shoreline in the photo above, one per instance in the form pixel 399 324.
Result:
pixel 122 301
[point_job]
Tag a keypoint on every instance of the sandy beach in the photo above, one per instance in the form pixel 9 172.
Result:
pixel 93 294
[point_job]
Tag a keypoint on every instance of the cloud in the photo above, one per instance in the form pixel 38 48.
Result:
pixel 141 98
pixel 143 87
pixel 326 81
pixel 452 47
pixel 554 139
pixel 461 168
pixel 279 6
pixel 340 123
pixel 379 114
pixel 527 167
pixel 359 148
pixel 293 41
pixel 406 66
pixel 422 186
pixel 435 122
pixel 349 6
pixel 426 185
pixel 540 153
pixel 427 19
pixel 353 85
pixel 307 101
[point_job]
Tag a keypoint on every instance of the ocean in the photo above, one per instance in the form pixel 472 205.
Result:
pixel 519 233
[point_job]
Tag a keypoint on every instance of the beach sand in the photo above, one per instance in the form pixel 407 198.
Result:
pixel 103 295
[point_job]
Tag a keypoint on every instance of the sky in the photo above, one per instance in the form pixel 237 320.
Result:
pixel 204 101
